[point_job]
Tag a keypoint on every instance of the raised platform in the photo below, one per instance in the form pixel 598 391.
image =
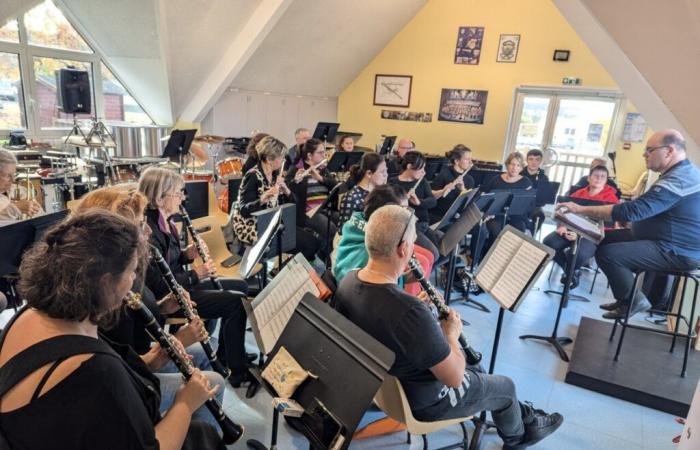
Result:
pixel 646 373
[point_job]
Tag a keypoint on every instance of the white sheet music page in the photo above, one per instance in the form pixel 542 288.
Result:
pixel 498 260
pixel 517 274
pixel 274 310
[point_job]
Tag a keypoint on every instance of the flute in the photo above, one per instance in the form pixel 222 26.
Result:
pixel 446 193
pixel 231 430
pixel 415 185
pixel 275 199
pixel 473 357
pixel 189 312
pixel 198 244
pixel 304 173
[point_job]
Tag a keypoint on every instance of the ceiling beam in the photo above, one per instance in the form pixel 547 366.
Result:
pixel 234 59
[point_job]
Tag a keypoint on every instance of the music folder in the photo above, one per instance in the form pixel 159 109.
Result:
pixel 272 308
pixel 584 227
pixel 512 266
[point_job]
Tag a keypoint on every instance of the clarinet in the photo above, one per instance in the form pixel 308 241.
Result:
pixel 473 357
pixel 198 244
pixel 190 313
pixel 231 430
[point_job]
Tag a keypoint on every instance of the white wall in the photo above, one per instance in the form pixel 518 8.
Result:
pixel 240 112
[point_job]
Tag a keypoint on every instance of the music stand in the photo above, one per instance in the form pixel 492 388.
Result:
pixel 481 176
pixel 326 131
pixel 254 253
pixel 178 145
pixel 342 161
pixel 433 166
pixel 197 198
pixel 452 213
pixel 340 354
pixel 387 145
pixel 326 207
pixel 542 254
pixel 546 195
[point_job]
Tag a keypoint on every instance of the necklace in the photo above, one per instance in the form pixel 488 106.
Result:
pixel 381 274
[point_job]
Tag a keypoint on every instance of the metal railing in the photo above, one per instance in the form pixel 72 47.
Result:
pixel 570 168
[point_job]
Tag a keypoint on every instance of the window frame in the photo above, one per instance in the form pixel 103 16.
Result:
pixel 30 105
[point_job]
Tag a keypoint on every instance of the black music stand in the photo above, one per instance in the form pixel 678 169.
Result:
pixel 178 145
pixel 340 354
pixel 546 195
pixel 342 161
pixel 433 166
pixel 327 207
pixel 387 145
pixel 197 198
pixel 326 131
pixel 480 423
pixel 481 176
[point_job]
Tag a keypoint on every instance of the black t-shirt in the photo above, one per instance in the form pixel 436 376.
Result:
pixel 424 194
pixel 403 324
pixel 497 183
pixel 447 175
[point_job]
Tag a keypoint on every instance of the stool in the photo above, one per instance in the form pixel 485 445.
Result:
pixel 693 275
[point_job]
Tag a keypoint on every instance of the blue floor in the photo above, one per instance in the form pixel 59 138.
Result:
pixel 592 421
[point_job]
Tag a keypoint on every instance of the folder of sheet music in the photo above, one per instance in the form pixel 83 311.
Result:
pixel 270 311
pixel 512 266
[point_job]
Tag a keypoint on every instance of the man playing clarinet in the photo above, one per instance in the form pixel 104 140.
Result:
pixel 429 361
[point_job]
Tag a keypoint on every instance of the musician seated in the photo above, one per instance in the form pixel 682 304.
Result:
pixel 393 162
pixel 452 180
pixel 511 179
pixel 561 239
pixel 420 196
pixel 536 175
pixel 164 191
pixel 365 176
pixel 130 329
pixel 13 198
pixel 250 152
pixel 113 397
pixel 352 253
pixel 311 184
pixel 264 187
pixel 583 182
pixel 429 364
pixel 301 135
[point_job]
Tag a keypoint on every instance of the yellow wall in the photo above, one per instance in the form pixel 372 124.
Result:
pixel 425 49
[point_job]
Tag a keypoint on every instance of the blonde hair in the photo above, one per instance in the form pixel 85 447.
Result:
pixel 128 204
pixel 155 183
pixel 270 148
pixel 381 230
pixel 515 155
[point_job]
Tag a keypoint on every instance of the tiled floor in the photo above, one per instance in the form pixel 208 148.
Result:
pixel 591 421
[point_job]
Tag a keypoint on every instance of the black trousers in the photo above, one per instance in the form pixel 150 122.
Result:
pixel 561 245
pixel 226 305
pixel 325 229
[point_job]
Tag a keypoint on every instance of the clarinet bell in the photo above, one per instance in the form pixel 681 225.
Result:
pixel 231 431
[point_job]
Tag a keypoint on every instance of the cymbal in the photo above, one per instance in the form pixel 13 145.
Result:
pixel 198 152
pixel 210 139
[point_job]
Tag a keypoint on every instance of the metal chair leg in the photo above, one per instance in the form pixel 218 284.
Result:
pixel 465 441
pixel 676 283
pixel 425 442
pixel 690 327
pixel 630 301
pixel 408 438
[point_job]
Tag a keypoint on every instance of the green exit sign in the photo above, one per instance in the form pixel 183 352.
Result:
pixel 571 81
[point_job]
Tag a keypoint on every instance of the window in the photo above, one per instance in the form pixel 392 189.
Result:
pixel 35 45
pixel 11 103
pixel 47 27
pixel 10 32
pixel 46 98
pixel 119 105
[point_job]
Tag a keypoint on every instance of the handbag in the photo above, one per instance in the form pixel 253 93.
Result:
pixel 245 228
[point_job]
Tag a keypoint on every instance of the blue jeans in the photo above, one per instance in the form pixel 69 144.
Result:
pixel 481 392
pixel 619 256
pixel 171 380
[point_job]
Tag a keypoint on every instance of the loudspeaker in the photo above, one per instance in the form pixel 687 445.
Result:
pixel 73 91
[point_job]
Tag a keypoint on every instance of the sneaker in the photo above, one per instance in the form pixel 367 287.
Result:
pixel 538 424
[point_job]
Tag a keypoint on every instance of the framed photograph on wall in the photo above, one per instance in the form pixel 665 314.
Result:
pixel 392 90
pixel 462 105
pixel 508 45
pixel 469 41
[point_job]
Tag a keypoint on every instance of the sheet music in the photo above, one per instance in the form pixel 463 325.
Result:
pixel 498 260
pixel 580 224
pixel 273 311
pixel 517 274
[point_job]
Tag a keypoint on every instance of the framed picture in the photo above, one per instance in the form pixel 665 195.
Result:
pixel 469 41
pixel 508 45
pixel 392 90
pixel 462 105
pixel 561 55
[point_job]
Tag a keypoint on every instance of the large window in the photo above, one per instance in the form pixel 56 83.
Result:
pixel 32 48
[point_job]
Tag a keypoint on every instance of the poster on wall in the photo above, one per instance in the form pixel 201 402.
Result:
pixel 595 132
pixel 469 41
pixel 407 115
pixel 462 105
pixel 635 128
pixel 508 45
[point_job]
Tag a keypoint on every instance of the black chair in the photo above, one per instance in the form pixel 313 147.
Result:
pixel 680 276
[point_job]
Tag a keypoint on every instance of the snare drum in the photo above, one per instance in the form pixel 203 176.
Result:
pixel 124 173
pixel 230 166
pixel 197 175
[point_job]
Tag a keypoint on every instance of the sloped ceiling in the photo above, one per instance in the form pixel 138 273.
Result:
pixel 319 46
pixel 9 9
pixel 652 50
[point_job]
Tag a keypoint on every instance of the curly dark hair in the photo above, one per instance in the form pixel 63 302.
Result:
pixel 61 274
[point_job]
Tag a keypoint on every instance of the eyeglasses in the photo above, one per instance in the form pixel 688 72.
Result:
pixel 650 150
pixel 180 194
pixel 408 223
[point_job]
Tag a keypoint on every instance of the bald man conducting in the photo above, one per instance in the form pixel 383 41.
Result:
pixel 429 361
pixel 665 224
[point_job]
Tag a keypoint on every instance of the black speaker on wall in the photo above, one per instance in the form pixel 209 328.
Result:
pixel 73 91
